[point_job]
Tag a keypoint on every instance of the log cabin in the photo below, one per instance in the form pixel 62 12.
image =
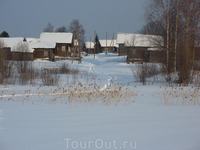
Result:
pixel 64 42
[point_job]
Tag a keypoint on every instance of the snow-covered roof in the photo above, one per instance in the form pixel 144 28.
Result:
pixel 23 47
pixel 39 44
pixel 110 43
pixel 87 44
pixel 12 42
pixel 56 37
pixel 139 40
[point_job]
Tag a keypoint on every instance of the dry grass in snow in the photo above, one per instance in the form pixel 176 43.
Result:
pixel 179 95
pixel 74 94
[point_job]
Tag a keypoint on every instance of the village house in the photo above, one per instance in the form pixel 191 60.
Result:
pixel 106 45
pixel 140 48
pixel 64 43
pixel 89 47
pixel 109 45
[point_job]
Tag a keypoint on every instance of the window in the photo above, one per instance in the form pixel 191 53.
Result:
pixel 69 49
pixel 133 52
pixel 45 53
pixel 63 48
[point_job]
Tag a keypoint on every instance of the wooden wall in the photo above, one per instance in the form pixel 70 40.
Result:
pixel 122 50
pixel 157 57
pixel 60 52
pixel 5 53
pixel 22 56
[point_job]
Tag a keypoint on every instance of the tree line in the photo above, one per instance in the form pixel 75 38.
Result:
pixel 178 22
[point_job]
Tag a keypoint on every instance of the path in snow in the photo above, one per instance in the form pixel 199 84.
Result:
pixel 99 62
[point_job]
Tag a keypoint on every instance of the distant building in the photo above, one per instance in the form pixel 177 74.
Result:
pixel 109 45
pixel 136 47
pixel 89 47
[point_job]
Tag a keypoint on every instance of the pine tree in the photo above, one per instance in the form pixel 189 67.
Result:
pixel 97 44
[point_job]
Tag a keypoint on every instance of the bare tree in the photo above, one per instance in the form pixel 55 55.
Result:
pixel 23 63
pixel 61 29
pixel 49 28
pixel 6 66
pixel 178 23
pixel 77 29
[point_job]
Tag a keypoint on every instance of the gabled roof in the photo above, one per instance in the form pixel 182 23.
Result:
pixel 139 40
pixel 56 37
pixel 110 43
pixel 87 45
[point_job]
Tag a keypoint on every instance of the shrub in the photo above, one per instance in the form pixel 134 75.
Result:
pixel 50 77
pixel 64 68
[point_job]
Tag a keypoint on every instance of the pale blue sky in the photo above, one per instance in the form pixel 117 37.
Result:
pixel 28 18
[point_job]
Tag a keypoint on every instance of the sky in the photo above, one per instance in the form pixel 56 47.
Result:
pixel 28 18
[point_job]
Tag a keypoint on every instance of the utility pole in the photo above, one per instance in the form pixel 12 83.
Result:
pixel 94 43
pixel 112 42
pixel 79 46
pixel 90 44
pixel 106 43
pixel 74 50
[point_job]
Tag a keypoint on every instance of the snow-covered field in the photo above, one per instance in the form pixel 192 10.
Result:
pixel 35 123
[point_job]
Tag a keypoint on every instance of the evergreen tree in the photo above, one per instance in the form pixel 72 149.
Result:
pixel 97 45
pixel 4 34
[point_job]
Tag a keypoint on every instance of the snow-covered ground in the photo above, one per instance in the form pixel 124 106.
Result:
pixel 146 124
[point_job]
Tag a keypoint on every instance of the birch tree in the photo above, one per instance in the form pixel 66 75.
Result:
pixel 178 23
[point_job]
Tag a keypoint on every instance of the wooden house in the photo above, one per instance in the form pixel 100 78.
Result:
pixel 121 38
pixel 135 46
pixel 109 45
pixel 64 42
pixel 89 47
